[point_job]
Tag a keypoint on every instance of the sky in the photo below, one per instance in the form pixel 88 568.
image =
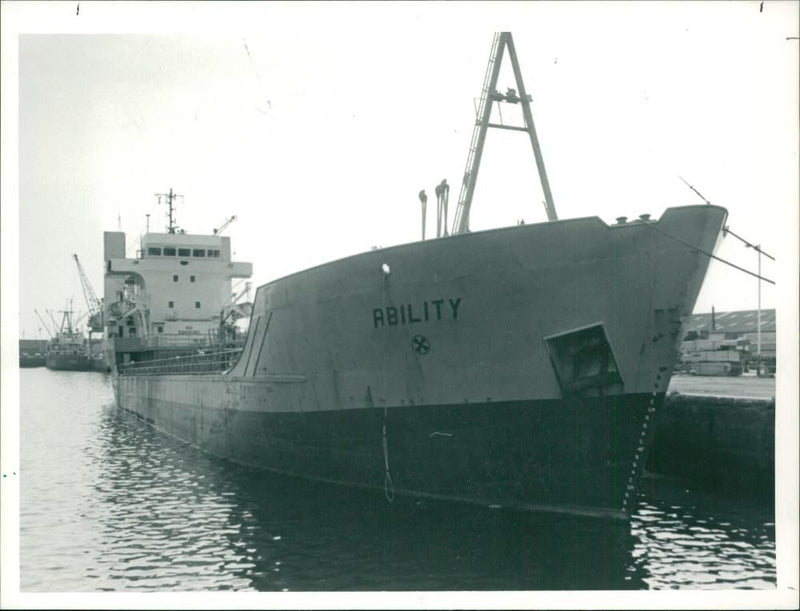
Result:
pixel 319 137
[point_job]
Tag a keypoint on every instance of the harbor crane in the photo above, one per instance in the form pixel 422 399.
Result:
pixel 489 95
pixel 92 302
pixel 227 222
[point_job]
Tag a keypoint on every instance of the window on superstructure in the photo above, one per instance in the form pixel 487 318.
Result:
pixel 199 252
pixel 175 278
pixel 213 253
pixel 184 252
pixel 169 252
pixel 191 278
pixel 154 251
pixel 197 305
pixel 160 329
pixel 171 304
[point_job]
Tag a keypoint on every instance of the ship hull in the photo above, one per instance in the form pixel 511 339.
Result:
pixel 577 456
pixel 31 361
pixel 520 367
pixel 68 363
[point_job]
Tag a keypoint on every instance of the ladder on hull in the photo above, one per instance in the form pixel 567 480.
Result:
pixel 489 95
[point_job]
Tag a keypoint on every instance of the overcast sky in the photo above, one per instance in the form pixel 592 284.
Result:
pixel 317 124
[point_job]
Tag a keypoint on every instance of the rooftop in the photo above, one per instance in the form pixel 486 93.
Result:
pixel 743 321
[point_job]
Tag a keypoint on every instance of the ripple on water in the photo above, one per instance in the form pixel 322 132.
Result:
pixel 688 549
pixel 110 504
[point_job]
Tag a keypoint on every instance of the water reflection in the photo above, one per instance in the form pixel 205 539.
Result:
pixel 109 503
pixel 176 518
pixel 687 539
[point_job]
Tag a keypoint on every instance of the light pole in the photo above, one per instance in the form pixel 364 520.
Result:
pixel 758 316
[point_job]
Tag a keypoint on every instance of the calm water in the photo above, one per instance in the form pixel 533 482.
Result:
pixel 110 504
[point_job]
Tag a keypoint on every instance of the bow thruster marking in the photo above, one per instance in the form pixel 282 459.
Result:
pixel 420 344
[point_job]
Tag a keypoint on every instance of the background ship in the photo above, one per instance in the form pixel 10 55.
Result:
pixel 31 352
pixel 68 349
pixel 518 367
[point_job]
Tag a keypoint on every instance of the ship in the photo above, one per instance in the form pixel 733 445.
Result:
pixel 522 367
pixel 31 353
pixel 67 349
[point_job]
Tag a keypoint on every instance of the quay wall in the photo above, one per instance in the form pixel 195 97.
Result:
pixel 721 443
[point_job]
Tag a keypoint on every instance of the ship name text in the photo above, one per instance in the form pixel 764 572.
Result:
pixel 406 314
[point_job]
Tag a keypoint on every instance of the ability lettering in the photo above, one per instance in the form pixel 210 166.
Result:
pixel 413 313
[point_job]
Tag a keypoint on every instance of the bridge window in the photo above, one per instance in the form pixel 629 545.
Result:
pixel 169 252
pixel 197 305
pixel 184 252
pixel 213 253
pixel 191 278
pixel 171 304
pixel 199 252
pixel 154 251
pixel 175 278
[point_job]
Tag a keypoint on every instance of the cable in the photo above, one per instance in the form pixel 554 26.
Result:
pixel 700 250
pixel 726 230
pixel 746 243
pixel 388 486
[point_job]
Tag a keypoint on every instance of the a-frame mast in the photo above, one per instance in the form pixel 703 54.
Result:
pixel 489 95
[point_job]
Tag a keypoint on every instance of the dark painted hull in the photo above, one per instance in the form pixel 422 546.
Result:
pixel 579 456
pixel 31 361
pixel 519 367
pixel 69 363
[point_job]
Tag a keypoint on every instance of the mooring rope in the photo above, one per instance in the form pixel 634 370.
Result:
pixel 700 250
pixel 388 486
pixel 726 230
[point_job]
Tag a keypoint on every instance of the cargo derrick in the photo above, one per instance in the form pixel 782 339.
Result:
pixel 94 304
pixel 489 95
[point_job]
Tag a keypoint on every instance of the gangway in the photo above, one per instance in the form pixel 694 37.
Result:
pixel 489 95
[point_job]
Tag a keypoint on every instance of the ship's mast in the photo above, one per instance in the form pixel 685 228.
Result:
pixel 170 198
pixel 67 320
pixel 489 94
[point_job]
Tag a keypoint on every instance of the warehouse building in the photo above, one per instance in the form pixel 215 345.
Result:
pixel 726 343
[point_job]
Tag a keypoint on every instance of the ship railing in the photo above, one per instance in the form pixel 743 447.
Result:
pixel 209 362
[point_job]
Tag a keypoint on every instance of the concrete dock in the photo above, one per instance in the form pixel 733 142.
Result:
pixel 718 432
pixel 740 386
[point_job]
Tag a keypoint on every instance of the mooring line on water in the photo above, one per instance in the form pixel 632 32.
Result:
pixel 700 250
pixel 388 486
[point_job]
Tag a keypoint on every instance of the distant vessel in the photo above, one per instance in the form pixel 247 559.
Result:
pixel 68 349
pixel 519 367
pixel 31 360
pixel 31 352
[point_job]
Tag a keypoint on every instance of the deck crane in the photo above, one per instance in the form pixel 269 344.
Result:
pixel 56 326
pixel 44 324
pixel 233 311
pixel 227 222
pixel 93 303
pixel 489 94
